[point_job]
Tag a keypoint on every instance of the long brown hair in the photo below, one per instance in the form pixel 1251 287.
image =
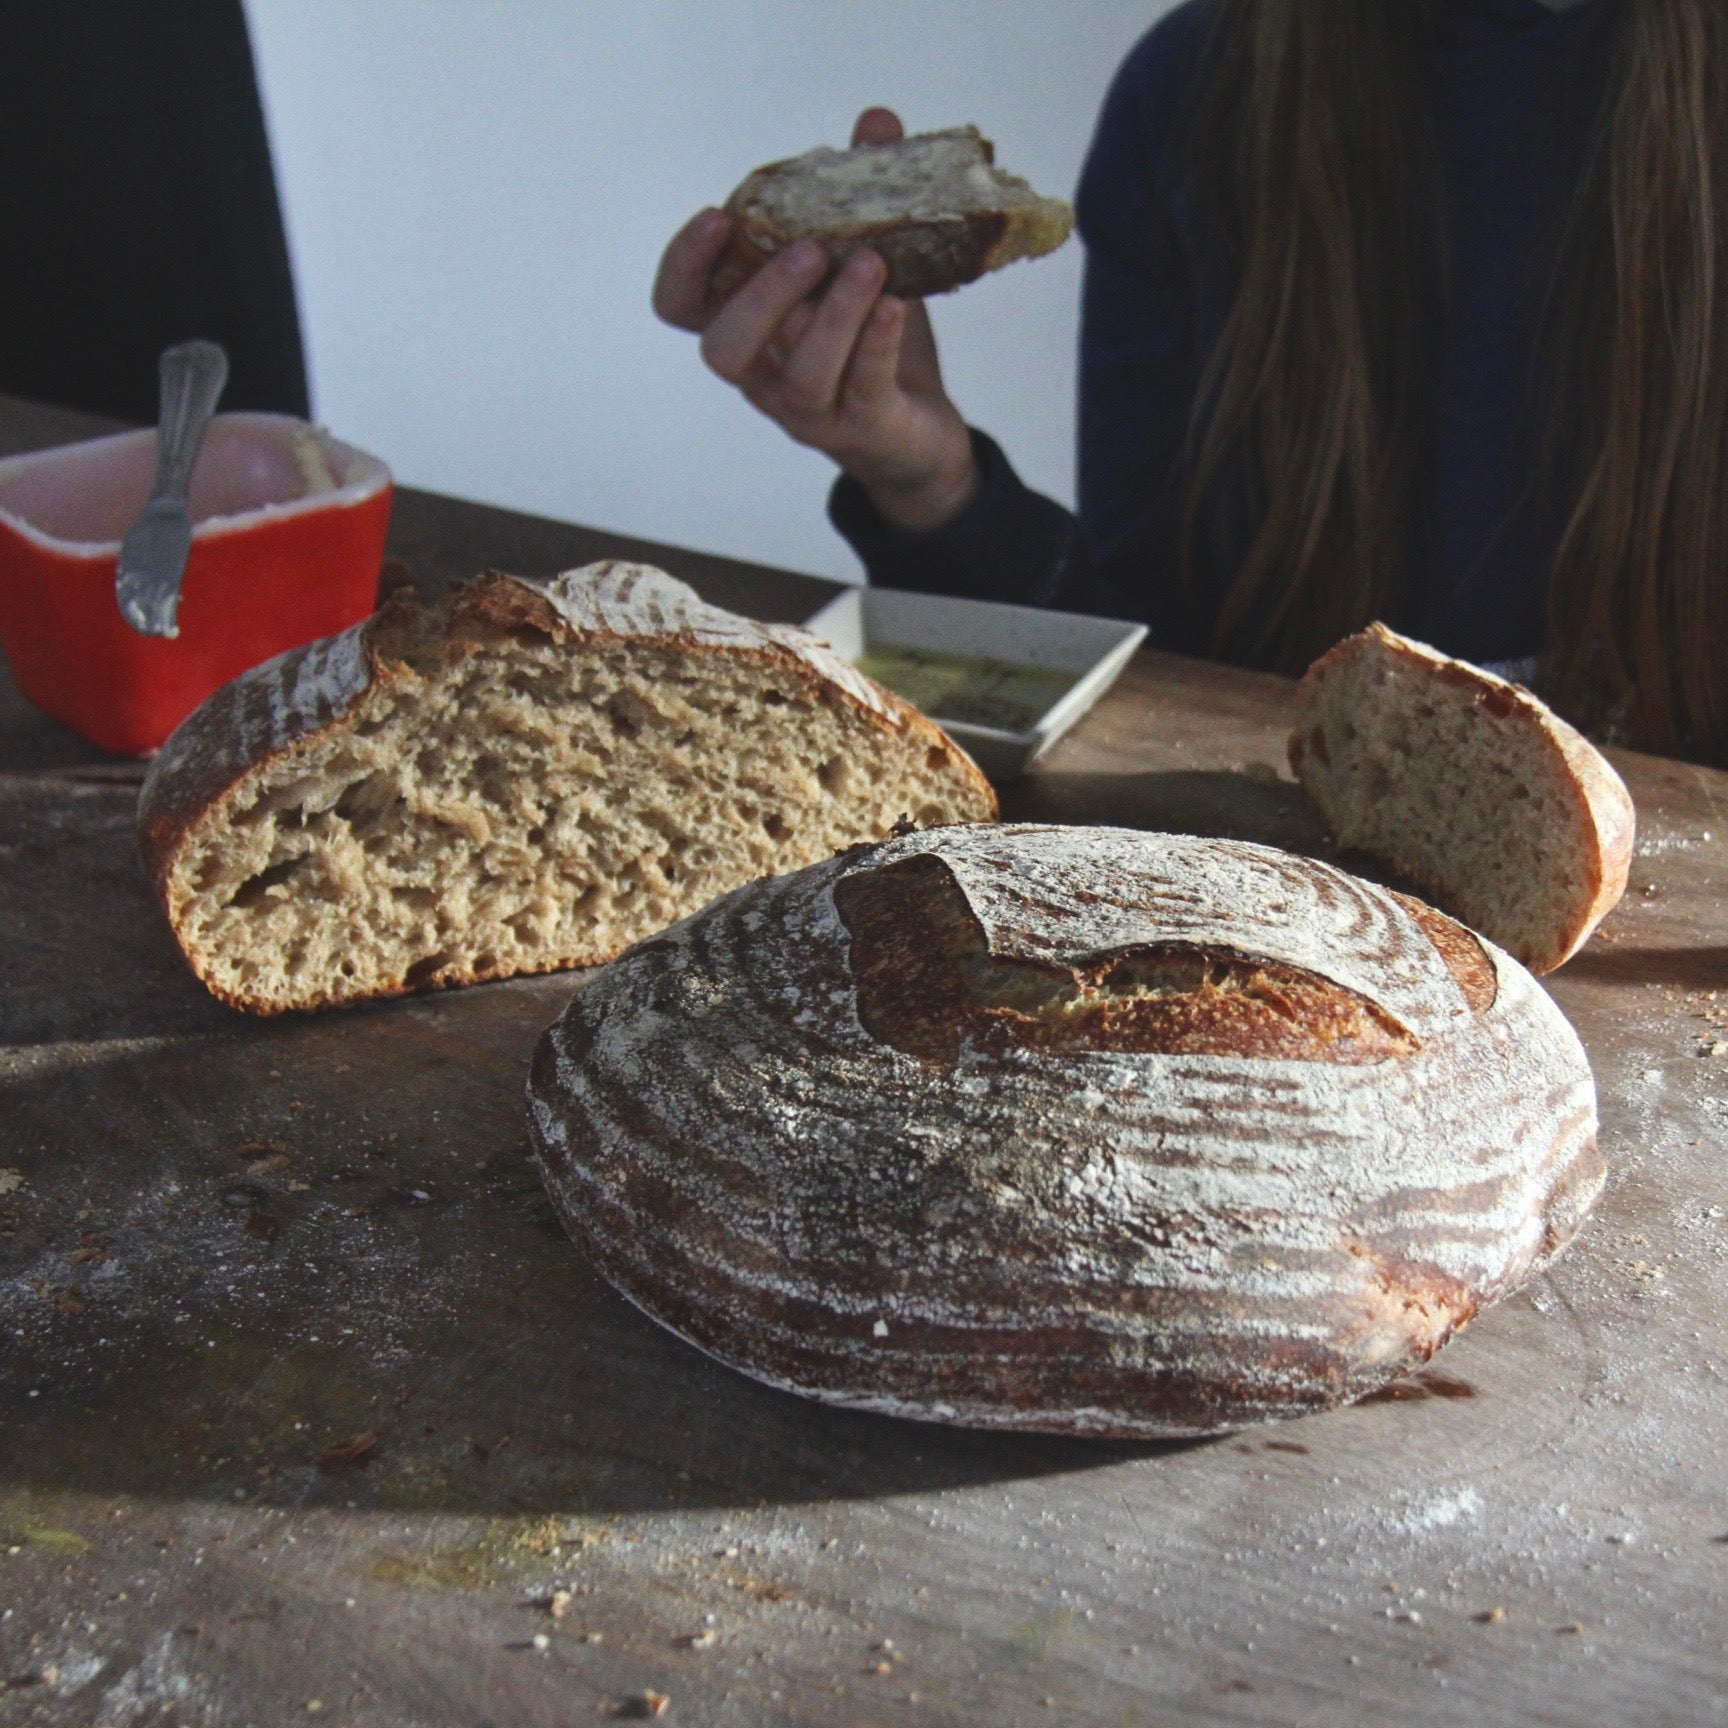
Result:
pixel 1323 178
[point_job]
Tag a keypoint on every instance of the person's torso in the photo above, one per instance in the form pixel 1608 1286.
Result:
pixel 1515 89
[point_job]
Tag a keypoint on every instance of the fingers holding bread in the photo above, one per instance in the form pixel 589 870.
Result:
pixel 806 388
pixel 874 373
pixel 683 285
pixel 877 126
pixel 738 335
pixel 826 370
pixel 685 294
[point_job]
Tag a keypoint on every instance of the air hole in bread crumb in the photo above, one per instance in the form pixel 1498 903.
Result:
pixel 367 801
pixel 424 972
pixel 254 888
pixel 626 713
pixel 494 781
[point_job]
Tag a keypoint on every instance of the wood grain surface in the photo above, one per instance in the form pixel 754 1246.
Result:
pixel 309 1410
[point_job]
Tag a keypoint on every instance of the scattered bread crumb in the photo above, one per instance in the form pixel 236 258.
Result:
pixel 355 1451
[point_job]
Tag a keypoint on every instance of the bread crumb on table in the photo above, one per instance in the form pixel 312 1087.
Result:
pixel 640 1707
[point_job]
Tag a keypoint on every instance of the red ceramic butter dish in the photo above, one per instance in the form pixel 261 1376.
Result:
pixel 288 538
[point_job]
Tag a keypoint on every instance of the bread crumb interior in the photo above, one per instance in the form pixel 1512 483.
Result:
pixel 920 178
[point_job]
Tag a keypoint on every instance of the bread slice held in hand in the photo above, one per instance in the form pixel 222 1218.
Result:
pixel 1467 785
pixel 532 776
pixel 935 206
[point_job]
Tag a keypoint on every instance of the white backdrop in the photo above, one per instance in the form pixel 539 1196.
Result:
pixel 476 193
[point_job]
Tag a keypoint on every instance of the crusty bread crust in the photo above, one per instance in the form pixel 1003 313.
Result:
pixel 928 255
pixel 932 1130
pixel 1600 808
pixel 923 258
pixel 333 685
pixel 254 718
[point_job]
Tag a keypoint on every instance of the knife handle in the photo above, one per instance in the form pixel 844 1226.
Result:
pixel 192 377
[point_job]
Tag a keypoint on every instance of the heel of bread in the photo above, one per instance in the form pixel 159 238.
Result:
pixel 1467 786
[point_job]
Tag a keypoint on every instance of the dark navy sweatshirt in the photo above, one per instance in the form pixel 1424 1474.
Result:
pixel 1515 89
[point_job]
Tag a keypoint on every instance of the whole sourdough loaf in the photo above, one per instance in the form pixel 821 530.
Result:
pixel 935 206
pixel 1468 786
pixel 1078 1130
pixel 533 776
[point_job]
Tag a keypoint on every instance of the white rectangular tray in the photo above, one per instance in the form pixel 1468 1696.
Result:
pixel 1094 650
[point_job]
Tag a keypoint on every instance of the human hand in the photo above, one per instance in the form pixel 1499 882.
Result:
pixel 853 373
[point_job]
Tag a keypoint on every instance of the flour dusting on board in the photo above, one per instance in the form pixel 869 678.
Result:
pixel 1436 1511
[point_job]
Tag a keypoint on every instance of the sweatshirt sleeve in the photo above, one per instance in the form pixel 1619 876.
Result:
pixel 1010 543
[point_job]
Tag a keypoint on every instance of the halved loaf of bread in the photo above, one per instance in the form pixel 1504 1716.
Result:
pixel 935 206
pixel 533 776
pixel 1468 786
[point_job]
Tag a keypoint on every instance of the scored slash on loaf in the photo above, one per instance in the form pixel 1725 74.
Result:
pixel 935 205
pixel 532 776
pixel 1076 1130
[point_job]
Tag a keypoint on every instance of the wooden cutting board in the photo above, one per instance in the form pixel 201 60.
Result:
pixel 306 1400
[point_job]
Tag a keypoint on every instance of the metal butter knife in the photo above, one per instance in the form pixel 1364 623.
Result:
pixel 153 554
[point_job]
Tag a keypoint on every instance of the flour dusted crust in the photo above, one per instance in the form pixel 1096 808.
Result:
pixel 531 777
pixel 951 217
pixel 1468 786
pixel 958 1127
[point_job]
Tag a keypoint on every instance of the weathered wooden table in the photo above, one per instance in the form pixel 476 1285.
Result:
pixel 231 1249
